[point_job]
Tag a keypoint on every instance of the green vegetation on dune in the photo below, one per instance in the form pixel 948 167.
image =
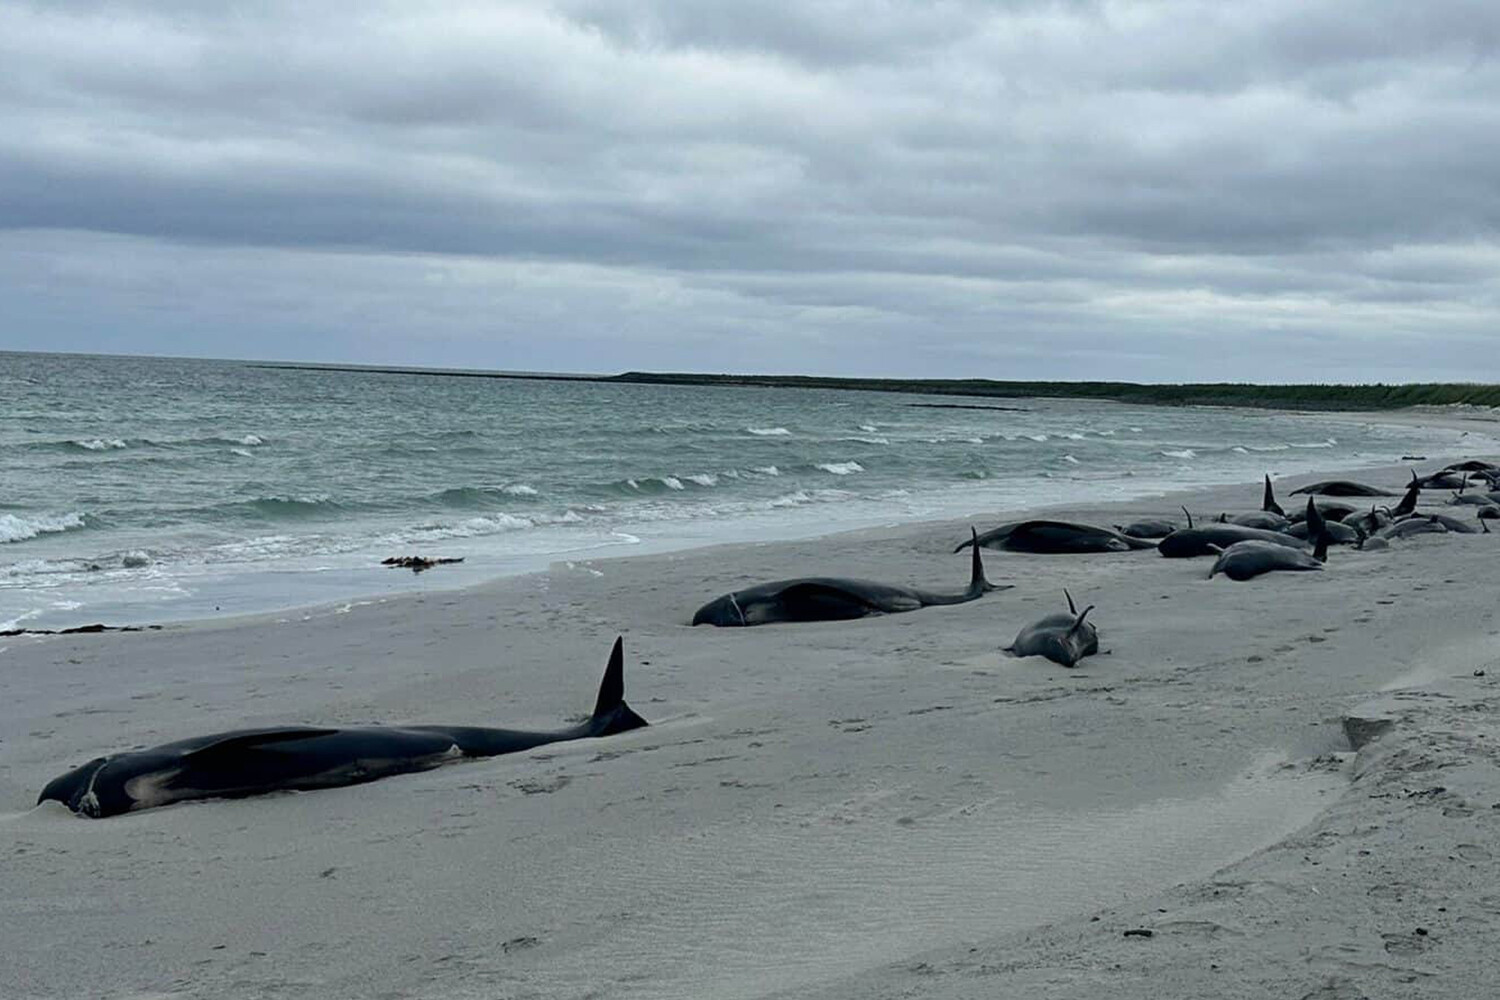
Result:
pixel 1308 397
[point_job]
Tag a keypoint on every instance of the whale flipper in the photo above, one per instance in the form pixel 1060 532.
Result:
pixel 250 741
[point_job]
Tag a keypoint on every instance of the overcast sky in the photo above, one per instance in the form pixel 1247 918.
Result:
pixel 1281 190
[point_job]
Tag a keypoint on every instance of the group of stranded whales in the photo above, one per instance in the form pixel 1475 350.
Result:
pixel 249 762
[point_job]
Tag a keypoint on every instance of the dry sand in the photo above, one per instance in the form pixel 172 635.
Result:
pixel 878 808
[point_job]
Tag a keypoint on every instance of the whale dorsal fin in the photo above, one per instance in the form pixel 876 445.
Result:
pixel 1079 623
pixel 266 737
pixel 977 583
pixel 1320 547
pixel 1268 499
pixel 1189 516
pixel 612 687
pixel 611 714
pixel 1072 608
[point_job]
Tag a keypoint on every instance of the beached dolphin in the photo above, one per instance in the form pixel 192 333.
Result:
pixel 254 761
pixel 826 599
pixel 1472 465
pixel 1249 559
pixel 1343 488
pixel 1055 538
pixel 1211 539
pixel 1061 638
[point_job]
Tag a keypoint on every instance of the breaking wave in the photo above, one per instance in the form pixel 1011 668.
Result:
pixel 20 527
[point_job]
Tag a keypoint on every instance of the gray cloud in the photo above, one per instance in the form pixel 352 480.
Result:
pixel 1152 191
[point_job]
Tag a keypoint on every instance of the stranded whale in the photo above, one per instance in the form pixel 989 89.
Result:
pixel 1061 638
pixel 1055 538
pixel 254 761
pixel 823 599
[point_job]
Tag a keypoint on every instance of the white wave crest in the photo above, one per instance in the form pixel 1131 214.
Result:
pixel 519 490
pixel 467 528
pixel 703 479
pixel 868 440
pixel 868 428
pixel 100 444
pixel 1035 437
pixel 1241 450
pixel 801 497
pixel 1326 443
pixel 16 528
pixel 769 431
pixel 251 440
pixel 1070 459
pixel 242 452
pixel 1184 453
pixel 1073 437
pixel 767 470
pixel 841 468
pixel 672 483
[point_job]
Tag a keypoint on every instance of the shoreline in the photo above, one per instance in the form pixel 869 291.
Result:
pixel 376 584
pixel 830 798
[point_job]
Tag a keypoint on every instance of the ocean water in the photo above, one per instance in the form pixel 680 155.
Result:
pixel 142 490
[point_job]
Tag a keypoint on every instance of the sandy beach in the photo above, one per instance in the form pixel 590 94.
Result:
pixel 887 807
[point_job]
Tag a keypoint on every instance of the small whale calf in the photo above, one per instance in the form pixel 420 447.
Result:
pixel 1061 638
pixel 824 599
pixel 256 761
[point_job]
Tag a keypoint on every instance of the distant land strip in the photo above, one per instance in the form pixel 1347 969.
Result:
pixel 1377 396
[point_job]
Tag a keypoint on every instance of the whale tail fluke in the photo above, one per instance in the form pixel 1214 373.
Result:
pixel 611 714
